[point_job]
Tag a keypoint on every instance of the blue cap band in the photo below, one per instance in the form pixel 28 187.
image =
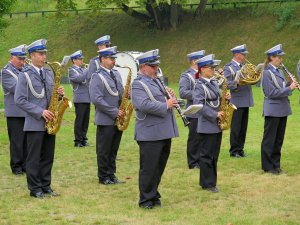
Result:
pixel 200 64
pixel 38 47
pixel 148 59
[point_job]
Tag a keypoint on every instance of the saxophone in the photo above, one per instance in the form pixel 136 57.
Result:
pixel 126 105
pixel 226 106
pixel 58 104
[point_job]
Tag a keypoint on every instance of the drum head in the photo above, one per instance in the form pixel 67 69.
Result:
pixel 125 59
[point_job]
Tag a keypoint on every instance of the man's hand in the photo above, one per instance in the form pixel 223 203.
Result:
pixel 220 115
pixel 172 93
pixel 172 102
pixel 228 96
pixel 61 91
pixel 121 113
pixel 294 85
pixel 47 115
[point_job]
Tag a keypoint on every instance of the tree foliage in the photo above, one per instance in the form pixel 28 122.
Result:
pixel 5 7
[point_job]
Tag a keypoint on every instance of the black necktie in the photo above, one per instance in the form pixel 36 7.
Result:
pixel 114 78
pixel 44 83
pixel 116 83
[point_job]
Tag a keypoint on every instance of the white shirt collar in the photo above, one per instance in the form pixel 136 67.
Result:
pixel 194 69
pixel 273 66
pixel 239 64
pixel 37 69
pixel 107 70
pixel 206 79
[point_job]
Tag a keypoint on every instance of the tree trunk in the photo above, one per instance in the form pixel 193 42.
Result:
pixel 201 8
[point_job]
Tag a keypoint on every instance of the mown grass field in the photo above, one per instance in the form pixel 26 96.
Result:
pixel 247 195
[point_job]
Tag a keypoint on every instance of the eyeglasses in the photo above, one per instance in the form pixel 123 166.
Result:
pixel 153 66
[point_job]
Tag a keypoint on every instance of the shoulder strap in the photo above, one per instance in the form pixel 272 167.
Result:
pixel 207 94
pixel 97 64
pixel 274 79
pixel 232 72
pixel 192 80
pixel 33 92
pixel 110 91
pixel 11 73
pixel 149 93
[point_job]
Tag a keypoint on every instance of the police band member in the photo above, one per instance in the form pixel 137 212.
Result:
pixel 155 126
pixel 106 92
pixel 78 76
pixel 276 108
pixel 186 88
pixel 102 43
pixel 33 93
pixel 241 97
pixel 210 135
pixel 15 117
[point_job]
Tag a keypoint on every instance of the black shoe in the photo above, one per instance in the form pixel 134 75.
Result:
pixel 235 155
pixel 146 205
pixel 51 193
pixel 211 189
pixel 86 144
pixel 18 173
pixel 78 145
pixel 39 195
pixel 116 180
pixel 242 154
pixel 156 203
pixel 274 172
pixel 194 167
pixel 106 181
pixel 280 171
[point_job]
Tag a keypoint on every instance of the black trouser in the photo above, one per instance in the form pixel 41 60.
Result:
pixel 107 144
pixel 238 130
pixel 81 125
pixel 209 149
pixel 40 146
pixel 274 130
pixel 193 143
pixel 153 160
pixel 17 143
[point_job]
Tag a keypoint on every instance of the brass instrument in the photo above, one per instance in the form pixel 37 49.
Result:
pixel 218 75
pixel 248 74
pixel 290 75
pixel 85 65
pixel 226 106
pixel 126 105
pixel 168 96
pixel 58 104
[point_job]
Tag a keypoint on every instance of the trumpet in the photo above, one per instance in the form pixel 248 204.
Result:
pixel 169 96
pixel 85 65
pixel 290 75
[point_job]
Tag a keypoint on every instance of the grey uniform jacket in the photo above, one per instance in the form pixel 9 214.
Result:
pixel 241 96
pixel 186 87
pixel 153 120
pixel 276 91
pixel 26 98
pixel 207 117
pixel 9 78
pixel 79 79
pixel 94 66
pixel 106 99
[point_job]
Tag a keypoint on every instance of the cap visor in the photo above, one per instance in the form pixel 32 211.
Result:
pixel 157 62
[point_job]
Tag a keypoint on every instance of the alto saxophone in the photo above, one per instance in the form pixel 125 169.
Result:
pixel 226 106
pixel 58 104
pixel 126 105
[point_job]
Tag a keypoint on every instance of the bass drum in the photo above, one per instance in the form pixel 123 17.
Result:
pixel 126 59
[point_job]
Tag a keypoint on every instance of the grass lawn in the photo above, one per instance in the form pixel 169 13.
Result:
pixel 246 195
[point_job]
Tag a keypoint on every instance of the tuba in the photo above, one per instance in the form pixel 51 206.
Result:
pixel 226 106
pixel 58 104
pixel 126 105
pixel 248 75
